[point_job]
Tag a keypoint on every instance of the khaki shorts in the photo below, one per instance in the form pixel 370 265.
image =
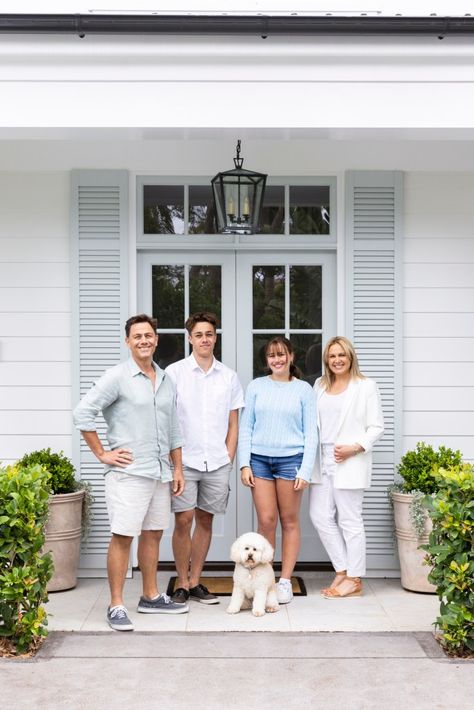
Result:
pixel 136 503
pixel 206 490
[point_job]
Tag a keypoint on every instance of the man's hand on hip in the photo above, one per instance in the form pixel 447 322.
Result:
pixel 118 457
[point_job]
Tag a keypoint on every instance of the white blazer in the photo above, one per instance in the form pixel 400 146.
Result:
pixel 361 422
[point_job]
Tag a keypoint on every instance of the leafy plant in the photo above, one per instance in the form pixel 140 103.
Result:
pixel 451 552
pixel 62 471
pixel 416 467
pixel 24 571
pixel 62 480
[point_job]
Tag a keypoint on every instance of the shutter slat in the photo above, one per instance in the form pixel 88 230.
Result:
pixel 99 241
pixel 373 208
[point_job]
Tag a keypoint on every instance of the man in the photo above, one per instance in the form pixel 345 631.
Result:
pixel 208 397
pixel 137 401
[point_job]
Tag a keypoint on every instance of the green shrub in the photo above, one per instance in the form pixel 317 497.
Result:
pixel 24 571
pixel 416 467
pixel 59 466
pixel 451 552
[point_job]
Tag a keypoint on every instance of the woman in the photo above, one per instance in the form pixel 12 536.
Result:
pixel 277 447
pixel 350 421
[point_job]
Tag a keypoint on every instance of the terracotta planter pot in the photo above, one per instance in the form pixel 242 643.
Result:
pixel 63 539
pixel 414 574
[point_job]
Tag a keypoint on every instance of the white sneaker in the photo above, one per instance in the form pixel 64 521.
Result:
pixel 284 591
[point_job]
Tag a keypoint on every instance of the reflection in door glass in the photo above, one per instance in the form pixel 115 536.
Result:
pixel 308 353
pixel 272 220
pixel 163 209
pixel 305 297
pixel 170 349
pixel 268 297
pixel 202 213
pixel 168 295
pixel 309 209
pixel 205 289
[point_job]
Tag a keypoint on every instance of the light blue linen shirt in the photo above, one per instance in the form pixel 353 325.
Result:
pixel 137 417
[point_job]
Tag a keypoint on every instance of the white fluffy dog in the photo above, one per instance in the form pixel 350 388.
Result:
pixel 254 579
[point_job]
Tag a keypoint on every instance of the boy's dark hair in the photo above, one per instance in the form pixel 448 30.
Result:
pixel 140 318
pixel 202 317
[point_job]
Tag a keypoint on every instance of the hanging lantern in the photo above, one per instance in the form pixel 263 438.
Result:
pixel 238 197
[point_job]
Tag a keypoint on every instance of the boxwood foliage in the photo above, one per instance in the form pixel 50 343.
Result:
pixel 62 478
pixel 417 465
pixel 451 552
pixel 24 570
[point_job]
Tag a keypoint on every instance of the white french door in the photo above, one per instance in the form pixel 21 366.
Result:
pixel 173 285
pixel 291 294
pixel 255 295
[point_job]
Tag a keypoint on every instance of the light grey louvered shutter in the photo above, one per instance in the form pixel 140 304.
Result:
pixel 99 230
pixel 374 309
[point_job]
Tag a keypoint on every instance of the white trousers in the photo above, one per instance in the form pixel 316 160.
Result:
pixel 336 513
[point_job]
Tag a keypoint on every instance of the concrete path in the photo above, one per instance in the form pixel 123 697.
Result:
pixel 206 671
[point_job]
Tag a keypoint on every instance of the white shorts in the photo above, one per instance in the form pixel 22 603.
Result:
pixel 136 503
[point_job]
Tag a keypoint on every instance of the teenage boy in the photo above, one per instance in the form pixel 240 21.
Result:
pixel 208 399
pixel 137 401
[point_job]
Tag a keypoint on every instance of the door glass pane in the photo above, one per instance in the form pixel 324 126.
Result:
pixel 205 287
pixel 202 214
pixel 308 353
pixel 268 297
pixel 170 349
pixel 305 297
pixel 163 209
pixel 273 210
pixel 309 209
pixel 168 295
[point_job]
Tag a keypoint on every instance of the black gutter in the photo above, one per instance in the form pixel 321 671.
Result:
pixel 247 25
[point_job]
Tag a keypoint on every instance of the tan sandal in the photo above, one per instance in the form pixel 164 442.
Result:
pixel 338 579
pixel 336 593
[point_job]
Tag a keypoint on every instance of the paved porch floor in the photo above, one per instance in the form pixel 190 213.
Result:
pixel 385 606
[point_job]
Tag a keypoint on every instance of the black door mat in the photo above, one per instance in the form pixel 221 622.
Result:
pixel 222 586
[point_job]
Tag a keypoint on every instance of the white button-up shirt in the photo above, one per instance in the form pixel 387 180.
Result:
pixel 204 401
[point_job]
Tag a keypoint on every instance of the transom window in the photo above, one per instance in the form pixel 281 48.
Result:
pixel 187 209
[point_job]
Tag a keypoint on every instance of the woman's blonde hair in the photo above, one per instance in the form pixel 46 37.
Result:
pixel 328 377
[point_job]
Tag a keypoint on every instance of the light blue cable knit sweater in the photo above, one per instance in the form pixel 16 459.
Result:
pixel 279 419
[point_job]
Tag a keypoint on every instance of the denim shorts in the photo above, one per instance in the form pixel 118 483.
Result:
pixel 272 467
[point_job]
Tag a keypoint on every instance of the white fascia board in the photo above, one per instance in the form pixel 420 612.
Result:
pixel 220 104
pixel 247 7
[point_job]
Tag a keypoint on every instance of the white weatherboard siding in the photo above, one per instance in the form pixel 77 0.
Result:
pixel 35 313
pixel 439 310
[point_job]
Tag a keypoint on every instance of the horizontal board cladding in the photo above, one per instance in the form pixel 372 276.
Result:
pixel 99 224
pixel 373 218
